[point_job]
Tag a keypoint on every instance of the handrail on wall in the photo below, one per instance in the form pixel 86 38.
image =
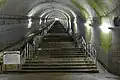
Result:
pixel 90 50
pixel 88 47
pixel 29 49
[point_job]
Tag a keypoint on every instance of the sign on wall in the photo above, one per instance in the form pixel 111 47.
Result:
pixel 11 57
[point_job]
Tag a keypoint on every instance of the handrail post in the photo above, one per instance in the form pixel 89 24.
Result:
pixel 96 57
pixel 86 49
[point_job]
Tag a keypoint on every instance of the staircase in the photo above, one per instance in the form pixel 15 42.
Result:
pixel 58 53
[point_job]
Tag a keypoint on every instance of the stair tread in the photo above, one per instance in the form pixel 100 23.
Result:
pixel 59 60
pixel 58 48
pixel 58 42
pixel 57 64
pixel 63 53
pixel 60 67
pixel 68 56
pixel 67 70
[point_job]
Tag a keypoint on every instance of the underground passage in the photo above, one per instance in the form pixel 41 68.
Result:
pixel 59 39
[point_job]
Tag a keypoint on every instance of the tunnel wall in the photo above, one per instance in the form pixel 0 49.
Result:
pixel 14 32
pixel 107 45
pixel 81 28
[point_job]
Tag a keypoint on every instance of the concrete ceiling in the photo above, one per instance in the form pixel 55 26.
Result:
pixel 84 8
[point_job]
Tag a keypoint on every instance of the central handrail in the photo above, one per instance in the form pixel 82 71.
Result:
pixel 30 49
pixel 26 49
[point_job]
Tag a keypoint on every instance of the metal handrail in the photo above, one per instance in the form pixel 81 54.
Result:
pixel 26 38
pixel 88 47
pixel 90 50
pixel 26 50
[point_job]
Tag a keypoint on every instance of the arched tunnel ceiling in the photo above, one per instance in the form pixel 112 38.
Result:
pixel 84 7
pixel 56 15
pixel 40 9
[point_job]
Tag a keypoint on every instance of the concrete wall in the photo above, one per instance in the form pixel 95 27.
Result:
pixel 108 47
pixel 12 33
pixel 114 55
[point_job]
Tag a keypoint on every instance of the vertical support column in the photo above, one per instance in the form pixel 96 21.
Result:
pixel 27 51
pixel 95 31
pixel 95 38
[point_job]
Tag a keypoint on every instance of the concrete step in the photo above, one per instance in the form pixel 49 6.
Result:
pixel 53 54
pixel 59 52
pixel 62 57
pixel 68 49
pixel 63 53
pixel 58 61
pixel 57 67
pixel 59 64
pixel 62 71
pixel 58 38
pixel 67 56
pixel 56 44
pixel 67 59
pixel 59 55
pixel 57 35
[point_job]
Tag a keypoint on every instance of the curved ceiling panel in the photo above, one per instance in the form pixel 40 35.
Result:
pixel 38 10
pixel 47 12
pixel 59 15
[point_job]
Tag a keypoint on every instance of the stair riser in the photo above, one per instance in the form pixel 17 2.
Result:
pixel 56 71
pixel 57 68
pixel 59 52
pixel 67 59
pixel 63 49
pixel 30 64
pixel 58 36
pixel 58 62
pixel 58 40
pixel 67 56
pixel 59 45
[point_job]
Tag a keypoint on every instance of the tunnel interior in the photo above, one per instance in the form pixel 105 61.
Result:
pixel 92 19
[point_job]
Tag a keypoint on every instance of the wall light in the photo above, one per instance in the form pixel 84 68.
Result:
pixel 40 21
pixel 56 19
pixel 29 23
pixel 87 24
pixel 105 27
pixel 75 25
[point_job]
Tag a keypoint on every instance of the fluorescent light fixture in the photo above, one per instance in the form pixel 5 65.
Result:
pixel 105 27
pixel 75 25
pixel 56 19
pixel 31 34
pixel 40 21
pixel 87 24
pixel 29 23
